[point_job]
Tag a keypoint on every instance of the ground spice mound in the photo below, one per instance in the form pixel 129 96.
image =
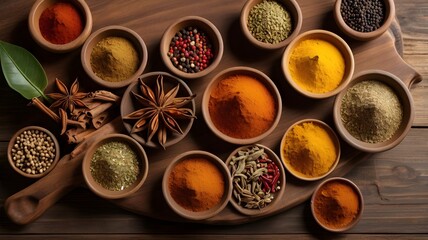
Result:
pixel 242 107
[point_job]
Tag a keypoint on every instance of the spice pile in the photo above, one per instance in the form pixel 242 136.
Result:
pixel 61 23
pixel 115 166
pixel 371 111
pixel 242 107
pixel 336 204
pixel 317 66
pixel 269 22
pixel 309 150
pixel 114 59
pixel 191 50
pixel 196 184
pixel 255 178
pixel 363 15
pixel 33 151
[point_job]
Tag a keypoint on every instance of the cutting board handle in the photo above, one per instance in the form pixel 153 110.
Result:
pixel 30 203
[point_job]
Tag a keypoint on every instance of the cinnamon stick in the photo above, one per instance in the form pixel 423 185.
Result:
pixel 40 105
pixel 98 110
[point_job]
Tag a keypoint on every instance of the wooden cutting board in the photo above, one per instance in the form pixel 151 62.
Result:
pixel 150 19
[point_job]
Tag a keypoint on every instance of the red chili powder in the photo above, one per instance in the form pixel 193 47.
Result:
pixel 61 23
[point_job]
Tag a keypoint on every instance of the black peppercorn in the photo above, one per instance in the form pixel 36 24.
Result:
pixel 363 15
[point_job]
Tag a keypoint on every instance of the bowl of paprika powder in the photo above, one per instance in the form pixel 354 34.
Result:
pixel 59 26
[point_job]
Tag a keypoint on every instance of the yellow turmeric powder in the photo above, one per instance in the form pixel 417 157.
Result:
pixel 242 107
pixel 309 150
pixel 316 66
pixel 196 184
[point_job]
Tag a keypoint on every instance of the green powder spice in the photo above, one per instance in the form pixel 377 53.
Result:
pixel 371 111
pixel 114 59
pixel 269 22
pixel 115 166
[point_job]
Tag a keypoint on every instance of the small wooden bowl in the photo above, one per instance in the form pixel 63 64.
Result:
pixel 204 25
pixel 332 38
pixel 277 195
pixel 334 138
pixel 33 22
pixel 100 190
pixel 365 36
pixel 13 141
pixel 183 212
pixel 129 105
pixel 406 100
pixel 263 78
pixel 114 31
pixel 360 198
pixel 296 16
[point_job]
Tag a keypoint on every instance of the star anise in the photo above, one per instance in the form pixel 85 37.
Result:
pixel 67 99
pixel 159 111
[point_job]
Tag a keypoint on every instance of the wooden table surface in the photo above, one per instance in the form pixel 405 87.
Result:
pixel 394 183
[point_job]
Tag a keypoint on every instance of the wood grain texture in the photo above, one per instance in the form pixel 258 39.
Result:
pixel 394 183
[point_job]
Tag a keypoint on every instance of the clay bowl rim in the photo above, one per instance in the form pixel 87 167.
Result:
pixel 33 24
pixel 259 75
pixel 360 198
pixel 334 39
pixel 278 195
pixel 188 213
pixel 403 93
pixel 292 6
pixel 332 134
pixel 127 99
pixel 12 142
pixel 365 36
pixel 97 188
pixel 205 25
pixel 114 31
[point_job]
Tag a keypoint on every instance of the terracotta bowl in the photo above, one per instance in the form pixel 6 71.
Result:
pixel 403 94
pixel 13 141
pixel 365 36
pixel 333 136
pixel 334 39
pixel 129 104
pixel 183 212
pixel 296 17
pixel 263 78
pixel 360 198
pixel 100 190
pixel 204 25
pixel 114 31
pixel 278 195
pixel 33 22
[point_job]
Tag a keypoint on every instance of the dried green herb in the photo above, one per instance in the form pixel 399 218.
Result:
pixel 371 111
pixel 269 22
pixel 22 71
pixel 115 166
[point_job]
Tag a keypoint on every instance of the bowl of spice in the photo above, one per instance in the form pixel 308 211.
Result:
pixel 318 64
pixel 197 185
pixel 115 166
pixel 337 204
pixel 33 151
pixel 271 24
pixel 158 110
pixel 258 179
pixel 375 112
pixel 60 26
pixel 191 47
pixel 241 105
pixel 114 56
pixel 310 150
pixel 364 20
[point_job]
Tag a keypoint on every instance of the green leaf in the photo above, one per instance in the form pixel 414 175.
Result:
pixel 22 71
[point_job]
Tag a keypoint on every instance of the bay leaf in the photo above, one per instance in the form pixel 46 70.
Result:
pixel 22 71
